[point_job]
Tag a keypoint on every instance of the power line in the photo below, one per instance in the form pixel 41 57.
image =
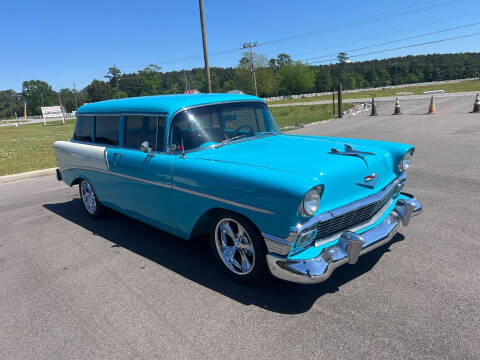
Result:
pixel 402 47
pixel 428 5
pixel 398 40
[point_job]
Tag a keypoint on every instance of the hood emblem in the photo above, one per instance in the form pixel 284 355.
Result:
pixel 350 151
pixel 369 181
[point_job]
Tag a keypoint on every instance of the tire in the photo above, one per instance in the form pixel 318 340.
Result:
pixel 242 257
pixel 90 202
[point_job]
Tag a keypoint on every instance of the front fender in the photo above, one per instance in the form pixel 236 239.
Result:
pixel 268 197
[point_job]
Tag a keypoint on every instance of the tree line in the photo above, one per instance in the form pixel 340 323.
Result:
pixel 277 76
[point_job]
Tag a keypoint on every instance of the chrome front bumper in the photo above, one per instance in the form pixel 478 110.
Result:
pixel 348 249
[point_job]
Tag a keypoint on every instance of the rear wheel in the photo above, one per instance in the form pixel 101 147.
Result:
pixel 90 202
pixel 238 247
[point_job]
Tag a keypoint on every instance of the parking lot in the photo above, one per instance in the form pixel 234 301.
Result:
pixel 76 288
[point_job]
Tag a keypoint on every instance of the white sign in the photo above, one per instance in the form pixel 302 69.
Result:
pixel 57 112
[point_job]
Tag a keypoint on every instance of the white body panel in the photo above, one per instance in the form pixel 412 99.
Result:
pixel 75 155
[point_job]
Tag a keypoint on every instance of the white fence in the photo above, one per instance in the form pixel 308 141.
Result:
pixel 276 98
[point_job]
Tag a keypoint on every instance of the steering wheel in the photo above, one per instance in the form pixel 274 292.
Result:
pixel 245 126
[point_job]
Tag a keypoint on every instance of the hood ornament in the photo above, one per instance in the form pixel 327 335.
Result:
pixel 350 151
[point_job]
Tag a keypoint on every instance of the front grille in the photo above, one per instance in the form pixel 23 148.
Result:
pixel 352 218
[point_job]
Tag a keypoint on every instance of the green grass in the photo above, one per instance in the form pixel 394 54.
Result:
pixel 30 147
pixel 297 116
pixel 473 85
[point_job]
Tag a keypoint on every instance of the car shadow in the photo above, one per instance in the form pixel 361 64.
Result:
pixel 194 261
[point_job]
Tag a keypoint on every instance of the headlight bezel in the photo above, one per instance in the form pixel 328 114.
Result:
pixel 307 209
pixel 405 161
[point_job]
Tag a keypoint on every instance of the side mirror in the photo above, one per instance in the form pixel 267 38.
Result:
pixel 146 147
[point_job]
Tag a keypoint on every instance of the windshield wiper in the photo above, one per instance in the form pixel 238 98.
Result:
pixel 226 141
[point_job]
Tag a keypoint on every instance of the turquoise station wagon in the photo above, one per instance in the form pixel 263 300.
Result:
pixel 291 205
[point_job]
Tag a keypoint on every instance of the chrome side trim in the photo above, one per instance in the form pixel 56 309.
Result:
pixel 156 183
pixel 215 198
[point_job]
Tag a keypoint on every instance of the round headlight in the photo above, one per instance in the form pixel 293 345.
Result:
pixel 311 201
pixel 405 162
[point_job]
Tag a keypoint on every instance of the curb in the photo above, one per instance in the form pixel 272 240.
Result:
pixel 26 175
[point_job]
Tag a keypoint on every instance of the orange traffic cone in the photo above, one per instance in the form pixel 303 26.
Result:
pixel 374 108
pixel 397 107
pixel 476 105
pixel 432 109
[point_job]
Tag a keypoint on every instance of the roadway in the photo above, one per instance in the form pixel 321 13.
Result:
pixel 75 288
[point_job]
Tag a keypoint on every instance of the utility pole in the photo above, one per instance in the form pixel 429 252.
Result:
pixel 116 79
pixel 205 50
pixel 249 45
pixel 41 94
pixel 185 79
pixel 340 110
pixel 75 95
pixel 333 102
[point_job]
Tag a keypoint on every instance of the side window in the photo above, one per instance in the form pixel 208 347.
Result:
pixel 106 129
pixel 139 128
pixel 83 128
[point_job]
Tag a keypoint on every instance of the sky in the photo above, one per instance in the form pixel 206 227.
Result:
pixel 67 42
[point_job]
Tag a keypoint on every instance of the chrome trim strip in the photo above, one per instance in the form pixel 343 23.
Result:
pixel 123 114
pixel 106 159
pixel 211 197
pixel 156 183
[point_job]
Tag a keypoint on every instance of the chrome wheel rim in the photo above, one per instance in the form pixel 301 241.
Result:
pixel 234 246
pixel 88 197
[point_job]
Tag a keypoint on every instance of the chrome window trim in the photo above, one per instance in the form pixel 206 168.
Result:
pixel 162 113
pixel 173 187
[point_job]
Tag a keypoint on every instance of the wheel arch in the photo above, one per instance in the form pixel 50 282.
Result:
pixel 203 223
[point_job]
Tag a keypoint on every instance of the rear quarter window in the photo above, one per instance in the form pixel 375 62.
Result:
pixel 106 129
pixel 83 128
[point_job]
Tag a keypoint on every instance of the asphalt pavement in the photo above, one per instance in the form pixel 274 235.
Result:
pixel 76 288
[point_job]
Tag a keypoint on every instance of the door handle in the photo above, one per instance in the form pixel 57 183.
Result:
pixel 117 155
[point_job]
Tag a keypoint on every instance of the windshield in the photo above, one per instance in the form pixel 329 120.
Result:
pixel 219 124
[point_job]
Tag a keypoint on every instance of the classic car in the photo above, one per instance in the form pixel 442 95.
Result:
pixel 295 206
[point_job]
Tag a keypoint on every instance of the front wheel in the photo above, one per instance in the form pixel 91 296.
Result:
pixel 238 247
pixel 90 202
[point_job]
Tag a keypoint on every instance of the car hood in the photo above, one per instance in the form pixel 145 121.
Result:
pixel 342 175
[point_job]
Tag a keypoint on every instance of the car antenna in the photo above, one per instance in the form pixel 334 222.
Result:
pixel 183 149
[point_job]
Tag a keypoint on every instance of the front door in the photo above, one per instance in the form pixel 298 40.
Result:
pixel 143 180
